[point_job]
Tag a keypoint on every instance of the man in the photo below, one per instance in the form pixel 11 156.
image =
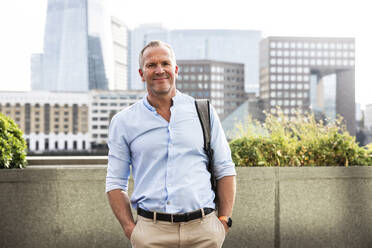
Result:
pixel 162 139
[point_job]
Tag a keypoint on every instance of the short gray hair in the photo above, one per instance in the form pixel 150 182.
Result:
pixel 156 43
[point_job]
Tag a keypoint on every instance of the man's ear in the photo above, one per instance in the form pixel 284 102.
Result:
pixel 141 74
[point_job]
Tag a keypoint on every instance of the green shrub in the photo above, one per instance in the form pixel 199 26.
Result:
pixel 300 142
pixel 12 144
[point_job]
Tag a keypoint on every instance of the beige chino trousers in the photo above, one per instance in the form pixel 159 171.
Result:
pixel 206 232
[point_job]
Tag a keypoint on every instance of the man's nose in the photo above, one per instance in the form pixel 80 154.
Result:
pixel 159 69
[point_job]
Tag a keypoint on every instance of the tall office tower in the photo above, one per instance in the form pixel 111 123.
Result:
pixel 358 112
pixel 368 117
pixel 221 82
pixel 236 46
pixel 37 71
pixel 309 73
pixel 120 53
pixel 76 46
pixel 137 42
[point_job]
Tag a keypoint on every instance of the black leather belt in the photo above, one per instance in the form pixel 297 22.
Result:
pixel 174 217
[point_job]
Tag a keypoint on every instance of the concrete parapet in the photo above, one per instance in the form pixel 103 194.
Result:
pixel 66 206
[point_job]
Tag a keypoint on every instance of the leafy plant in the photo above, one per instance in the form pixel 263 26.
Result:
pixel 12 144
pixel 301 141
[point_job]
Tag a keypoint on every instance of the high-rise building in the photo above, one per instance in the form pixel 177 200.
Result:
pixel 236 46
pixel 120 52
pixel 368 117
pixel 37 71
pixel 315 74
pixel 221 82
pixel 358 112
pixel 77 46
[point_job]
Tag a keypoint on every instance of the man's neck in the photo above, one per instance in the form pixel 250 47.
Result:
pixel 161 102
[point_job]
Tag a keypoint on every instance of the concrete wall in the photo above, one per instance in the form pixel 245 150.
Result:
pixel 65 206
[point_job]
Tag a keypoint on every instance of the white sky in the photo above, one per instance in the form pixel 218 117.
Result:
pixel 22 27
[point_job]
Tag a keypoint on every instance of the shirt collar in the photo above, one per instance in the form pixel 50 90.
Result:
pixel 151 108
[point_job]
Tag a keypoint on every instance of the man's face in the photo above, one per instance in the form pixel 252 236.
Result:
pixel 159 71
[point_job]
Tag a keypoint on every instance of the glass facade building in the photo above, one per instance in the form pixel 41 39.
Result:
pixel 76 46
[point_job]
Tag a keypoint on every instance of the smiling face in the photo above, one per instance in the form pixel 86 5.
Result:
pixel 159 71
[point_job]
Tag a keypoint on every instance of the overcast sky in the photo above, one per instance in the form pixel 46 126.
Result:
pixel 22 27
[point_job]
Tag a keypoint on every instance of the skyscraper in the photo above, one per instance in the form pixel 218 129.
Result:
pixel 120 52
pixel 77 46
pixel 37 70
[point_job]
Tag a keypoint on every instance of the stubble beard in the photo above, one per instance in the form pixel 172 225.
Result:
pixel 163 91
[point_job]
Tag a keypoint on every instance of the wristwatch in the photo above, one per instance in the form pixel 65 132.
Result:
pixel 227 219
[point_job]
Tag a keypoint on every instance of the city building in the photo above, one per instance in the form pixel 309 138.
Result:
pixel 237 46
pixel 358 112
pixel 368 117
pixel 104 105
pixel 120 54
pixel 77 47
pixel 49 121
pixel 221 82
pixel 56 122
pixel 318 74
pixel 37 70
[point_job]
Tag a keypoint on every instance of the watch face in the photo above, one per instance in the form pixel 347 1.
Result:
pixel 229 223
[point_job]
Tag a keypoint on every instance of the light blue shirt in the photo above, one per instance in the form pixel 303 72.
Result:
pixel 169 165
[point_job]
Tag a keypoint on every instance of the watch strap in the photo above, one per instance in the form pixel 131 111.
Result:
pixel 226 219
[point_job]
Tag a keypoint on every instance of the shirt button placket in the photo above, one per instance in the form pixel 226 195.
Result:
pixel 169 174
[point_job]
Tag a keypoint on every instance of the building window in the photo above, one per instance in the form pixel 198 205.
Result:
pixel 56 145
pixel 46 144
pixel 36 145
pixel 66 145
pixel 75 145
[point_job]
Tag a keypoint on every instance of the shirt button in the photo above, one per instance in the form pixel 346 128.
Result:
pixel 168 202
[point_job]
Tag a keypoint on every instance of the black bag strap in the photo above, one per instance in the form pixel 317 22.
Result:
pixel 203 110
pixel 202 107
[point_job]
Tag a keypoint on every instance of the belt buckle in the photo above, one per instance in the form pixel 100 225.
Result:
pixel 171 218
